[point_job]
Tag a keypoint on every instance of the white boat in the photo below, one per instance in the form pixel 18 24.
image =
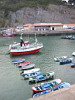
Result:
pixel 29 75
pixel 30 66
pixel 31 71
pixel 73 54
pixel 57 59
pixel 9 32
pixel 21 49
pixel 42 77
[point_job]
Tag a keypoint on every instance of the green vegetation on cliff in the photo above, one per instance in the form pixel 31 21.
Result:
pixel 13 5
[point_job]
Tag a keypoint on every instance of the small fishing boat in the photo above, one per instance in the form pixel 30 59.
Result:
pixel 72 38
pixel 32 74
pixel 42 77
pixel 9 33
pixel 30 71
pixel 23 64
pixel 16 61
pixel 66 61
pixel 46 86
pixel 29 49
pixel 73 65
pixel 41 93
pixel 67 37
pixel 27 67
pixel 73 54
pixel 60 86
pixel 57 59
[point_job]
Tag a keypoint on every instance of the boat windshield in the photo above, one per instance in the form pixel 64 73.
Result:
pixel 13 47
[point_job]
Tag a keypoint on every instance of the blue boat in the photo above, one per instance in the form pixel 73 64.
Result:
pixel 29 75
pixel 16 61
pixel 72 38
pixel 42 77
pixel 62 85
pixel 69 37
pixel 46 86
pixel 66 61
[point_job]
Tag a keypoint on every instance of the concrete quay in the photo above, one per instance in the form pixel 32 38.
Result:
pixel 67 93
pixel 45 33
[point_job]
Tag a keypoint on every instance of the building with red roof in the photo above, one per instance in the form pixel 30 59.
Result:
pixel 43 26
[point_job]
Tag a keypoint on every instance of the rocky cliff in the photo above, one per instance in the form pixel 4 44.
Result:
pixel 52 14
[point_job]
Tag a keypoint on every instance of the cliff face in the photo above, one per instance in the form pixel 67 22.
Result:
pixel 53 13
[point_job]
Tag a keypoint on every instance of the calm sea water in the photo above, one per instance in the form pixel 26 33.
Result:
pixel 13 86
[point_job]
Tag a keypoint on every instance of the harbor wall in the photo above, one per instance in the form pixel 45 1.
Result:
pixel 45 33
pixel 54 32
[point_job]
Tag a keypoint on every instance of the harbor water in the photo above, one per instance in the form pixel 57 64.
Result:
pixel 13 86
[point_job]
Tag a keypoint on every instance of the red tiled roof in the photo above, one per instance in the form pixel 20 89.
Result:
pixel 27 25
pixel 70 24
pixel 44 24
pixel 47 24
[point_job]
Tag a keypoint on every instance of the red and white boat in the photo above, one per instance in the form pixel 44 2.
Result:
pixel 8 35
pixel 23 64
pixel 25 48
pixel 46 86
pixel 27 67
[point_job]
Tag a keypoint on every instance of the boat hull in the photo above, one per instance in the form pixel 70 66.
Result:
pixel 23 64
pixel 41 77
pixel 9 35
pixel 17 61
pixel 73 54
pixel 39 88
pixel 29 75
pixel 73 66
pixel 28 67
pixel 67 61
pixel 24 52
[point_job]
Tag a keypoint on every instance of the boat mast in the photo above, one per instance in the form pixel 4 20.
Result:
pixel 21 36
pixel 36 38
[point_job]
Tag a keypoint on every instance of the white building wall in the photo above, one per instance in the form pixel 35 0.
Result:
pixel 65 0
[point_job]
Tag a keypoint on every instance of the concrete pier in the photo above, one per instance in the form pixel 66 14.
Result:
pixel 46 32
pixel 67 93
pixel 52 32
